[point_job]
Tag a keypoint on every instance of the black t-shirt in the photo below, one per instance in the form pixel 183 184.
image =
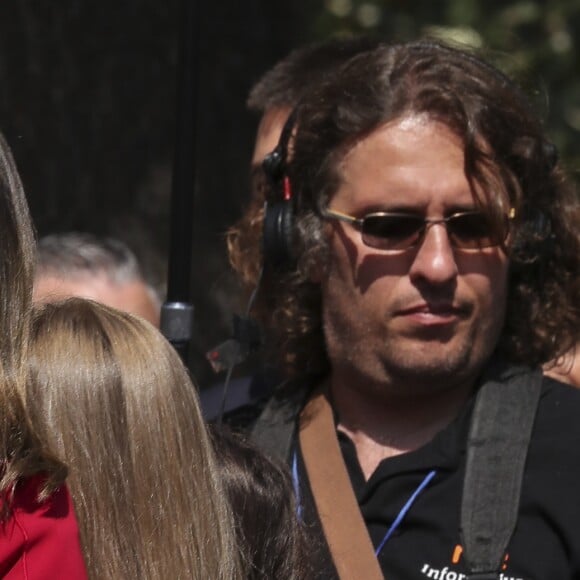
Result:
pixel 426 543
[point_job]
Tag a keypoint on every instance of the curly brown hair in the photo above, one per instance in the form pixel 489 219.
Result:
pixel 509 164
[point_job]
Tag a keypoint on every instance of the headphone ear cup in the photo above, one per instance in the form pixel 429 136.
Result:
pixel 277 236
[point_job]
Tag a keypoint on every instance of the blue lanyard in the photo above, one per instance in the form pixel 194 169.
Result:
pixel 398 519
pixel 404 510
pixel 296 484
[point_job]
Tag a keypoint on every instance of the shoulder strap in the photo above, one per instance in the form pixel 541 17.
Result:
pixel 344 528
pixel 274 430
pixel 500 432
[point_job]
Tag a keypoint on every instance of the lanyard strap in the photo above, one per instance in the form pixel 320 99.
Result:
pixel 420 488
pixel 344 528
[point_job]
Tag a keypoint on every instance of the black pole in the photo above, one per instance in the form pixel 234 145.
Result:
pixel 177 312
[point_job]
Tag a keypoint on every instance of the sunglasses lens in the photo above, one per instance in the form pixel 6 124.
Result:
pixel 391 232
pixel 471 231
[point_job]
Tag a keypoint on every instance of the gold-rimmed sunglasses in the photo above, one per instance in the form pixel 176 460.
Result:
pixel 397 231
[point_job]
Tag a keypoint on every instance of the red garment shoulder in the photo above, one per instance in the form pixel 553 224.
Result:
pixel 40 540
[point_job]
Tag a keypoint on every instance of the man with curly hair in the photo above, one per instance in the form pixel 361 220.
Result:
pixel 417 264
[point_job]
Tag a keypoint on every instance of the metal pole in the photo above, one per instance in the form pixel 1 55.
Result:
pixel 177 312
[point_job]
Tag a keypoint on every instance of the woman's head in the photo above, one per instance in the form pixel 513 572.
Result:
pixel 113 399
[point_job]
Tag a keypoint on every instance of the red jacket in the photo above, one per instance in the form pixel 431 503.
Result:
pixel 41 540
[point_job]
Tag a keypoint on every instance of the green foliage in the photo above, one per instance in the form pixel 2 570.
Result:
pixel 537 41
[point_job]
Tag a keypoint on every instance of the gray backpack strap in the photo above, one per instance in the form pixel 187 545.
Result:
pixel 501 428
pixel 275 429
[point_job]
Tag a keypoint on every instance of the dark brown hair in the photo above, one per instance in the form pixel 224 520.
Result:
pixel 273 540
pixel 508 162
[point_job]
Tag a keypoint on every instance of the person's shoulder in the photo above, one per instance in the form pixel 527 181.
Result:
pixel 239 400
pixel 243 418
pixel 41 537
pixel 278 405
pixel 558 398
pixel 558 416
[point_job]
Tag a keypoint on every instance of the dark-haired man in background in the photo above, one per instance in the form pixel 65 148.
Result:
pixel 282 87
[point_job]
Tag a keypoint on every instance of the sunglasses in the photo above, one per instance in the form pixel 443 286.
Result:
pixel 397 232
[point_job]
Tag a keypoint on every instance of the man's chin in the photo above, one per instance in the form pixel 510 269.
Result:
pixel 435 368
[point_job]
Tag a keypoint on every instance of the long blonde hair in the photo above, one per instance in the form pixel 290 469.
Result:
pixel 21 453
pixel 112 397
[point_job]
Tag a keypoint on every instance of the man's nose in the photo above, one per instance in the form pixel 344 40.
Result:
pixel 434 259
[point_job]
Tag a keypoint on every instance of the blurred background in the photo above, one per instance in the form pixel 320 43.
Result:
pixel 88 93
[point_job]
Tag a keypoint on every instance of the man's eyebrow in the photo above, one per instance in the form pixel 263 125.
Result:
pixel 385 207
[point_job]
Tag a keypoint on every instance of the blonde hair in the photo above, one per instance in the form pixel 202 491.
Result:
pixel 21 453
pixel 112 397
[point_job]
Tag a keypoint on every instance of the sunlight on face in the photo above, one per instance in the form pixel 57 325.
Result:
pixel 431 315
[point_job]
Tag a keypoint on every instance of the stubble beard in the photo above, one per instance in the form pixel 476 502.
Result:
pixel 394 366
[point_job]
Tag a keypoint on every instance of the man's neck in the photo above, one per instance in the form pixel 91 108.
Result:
pixel 385 426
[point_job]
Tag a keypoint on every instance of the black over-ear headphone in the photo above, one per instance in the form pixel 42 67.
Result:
pixel 279 209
